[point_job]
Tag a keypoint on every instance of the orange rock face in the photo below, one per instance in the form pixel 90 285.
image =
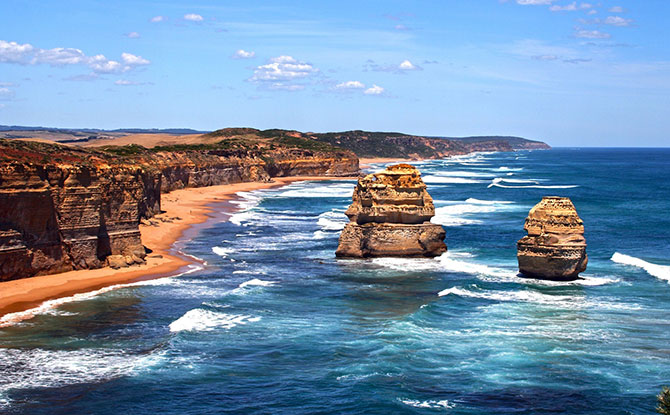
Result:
pixel 390 216
pixel 555 247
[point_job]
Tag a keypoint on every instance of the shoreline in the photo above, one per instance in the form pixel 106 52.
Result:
pixel 186 211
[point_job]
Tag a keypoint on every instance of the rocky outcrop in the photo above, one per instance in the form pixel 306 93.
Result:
pixel 555 247
pixel 390 216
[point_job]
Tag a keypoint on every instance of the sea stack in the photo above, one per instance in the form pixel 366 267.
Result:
pixel 390 216
pixel 555 248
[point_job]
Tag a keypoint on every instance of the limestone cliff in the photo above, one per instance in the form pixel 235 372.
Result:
pixel 65 208
pixel 390 216
pixel 56 218
pixel 555 247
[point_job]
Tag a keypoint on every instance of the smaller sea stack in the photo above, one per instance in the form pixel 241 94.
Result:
pixel 555 248
pixel 390 216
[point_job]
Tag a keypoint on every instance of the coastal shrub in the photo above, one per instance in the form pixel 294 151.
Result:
pixel 664 401
pixel 124 151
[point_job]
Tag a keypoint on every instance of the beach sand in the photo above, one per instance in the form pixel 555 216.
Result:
pixel 184 210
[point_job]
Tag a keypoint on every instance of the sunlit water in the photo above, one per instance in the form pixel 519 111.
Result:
pixel 273 323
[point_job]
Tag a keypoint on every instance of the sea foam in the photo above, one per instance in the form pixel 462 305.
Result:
pixel 659 271
pixel 434 179
pixel 429 404
pixel 530 296
pixel 498 180
pixel 333 220
pixel 200 319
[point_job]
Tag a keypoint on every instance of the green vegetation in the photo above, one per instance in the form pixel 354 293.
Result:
pixel 124 151
pixel 381 144
pixel 664 401
pixel 305 143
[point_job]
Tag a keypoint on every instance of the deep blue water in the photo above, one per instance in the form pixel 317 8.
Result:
pixel 274 324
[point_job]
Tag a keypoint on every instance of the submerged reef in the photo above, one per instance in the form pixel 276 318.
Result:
pixel 555 248
pixel 390 216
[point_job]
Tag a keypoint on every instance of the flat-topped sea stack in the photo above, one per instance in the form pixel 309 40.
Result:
pixel 390 216
pixel 555 248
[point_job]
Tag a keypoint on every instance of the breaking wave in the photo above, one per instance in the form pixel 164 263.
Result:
pixel 257 282
pixel 659 271
pixel 334 220
pixel 449 180
pixel 496 182
pixel 200 319
pixel 529 296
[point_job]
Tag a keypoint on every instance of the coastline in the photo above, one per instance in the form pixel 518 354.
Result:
pixel 185 210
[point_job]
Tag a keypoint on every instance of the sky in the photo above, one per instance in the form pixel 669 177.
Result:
pixel 571 73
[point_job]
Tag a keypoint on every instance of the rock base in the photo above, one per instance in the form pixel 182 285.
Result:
pixel 550 262
pixel 391 239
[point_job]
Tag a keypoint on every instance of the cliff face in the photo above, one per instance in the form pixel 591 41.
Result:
pixel 300 162
pixel 65 208
pixel 390 215
pixel 55 219
pixel 555 247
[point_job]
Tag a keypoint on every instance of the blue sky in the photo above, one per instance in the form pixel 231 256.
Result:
pixel 566 72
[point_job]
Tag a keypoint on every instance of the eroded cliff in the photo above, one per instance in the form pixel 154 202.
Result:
pixel 65 208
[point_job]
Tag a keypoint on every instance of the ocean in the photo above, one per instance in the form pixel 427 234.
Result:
pixel 273 323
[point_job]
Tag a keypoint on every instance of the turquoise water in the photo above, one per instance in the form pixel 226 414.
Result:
pixel 273 323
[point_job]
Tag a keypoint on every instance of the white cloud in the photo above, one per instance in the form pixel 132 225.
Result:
pixel 402 67
pixel 350 85
pixel 126 82
pixel 571 7
pixel 133 35
pixel 617 21
pixel 6 94
pixel 157 19
pixel 286 87
pixel 534 2
pixel 133 60
pixel 374 90
pixel 243 54
pixel 12 52
pixel 282 68
pixel 26 54
pixel 58 56
pixel 567 8
pixel 616 9
pixel 592 34
pixel 100 64
pixel 592 12
pixel 193 17
pixel 407 66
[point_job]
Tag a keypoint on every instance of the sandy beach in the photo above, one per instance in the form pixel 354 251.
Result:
pixel 184 210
